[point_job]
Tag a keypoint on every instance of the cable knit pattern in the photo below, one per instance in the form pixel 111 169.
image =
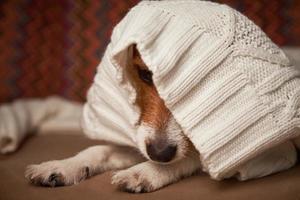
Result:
pixel 231 89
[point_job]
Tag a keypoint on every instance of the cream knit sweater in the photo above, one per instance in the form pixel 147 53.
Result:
pixel 231 89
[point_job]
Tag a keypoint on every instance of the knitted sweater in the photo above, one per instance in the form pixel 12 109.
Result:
pixel 231 89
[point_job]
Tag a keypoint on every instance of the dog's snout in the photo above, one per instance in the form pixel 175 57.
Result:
pixel 161 151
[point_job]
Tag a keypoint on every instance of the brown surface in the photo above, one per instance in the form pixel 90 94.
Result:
pixel 283 186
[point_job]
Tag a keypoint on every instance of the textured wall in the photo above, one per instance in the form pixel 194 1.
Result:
pixel 53 46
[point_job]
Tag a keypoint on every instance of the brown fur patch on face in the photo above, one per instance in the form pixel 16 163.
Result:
pixel 153 109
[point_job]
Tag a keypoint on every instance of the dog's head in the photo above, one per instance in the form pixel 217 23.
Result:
pixel 159 136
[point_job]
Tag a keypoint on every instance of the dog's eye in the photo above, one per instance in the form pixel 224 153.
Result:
pixel 146 76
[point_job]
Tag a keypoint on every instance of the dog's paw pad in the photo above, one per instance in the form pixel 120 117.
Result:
pixel 133 182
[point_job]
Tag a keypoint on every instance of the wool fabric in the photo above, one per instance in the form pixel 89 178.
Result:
pixel 231 89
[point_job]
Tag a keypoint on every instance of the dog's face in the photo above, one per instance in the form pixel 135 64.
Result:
pixel 159 136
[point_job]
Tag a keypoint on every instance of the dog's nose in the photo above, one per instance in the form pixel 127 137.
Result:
pixel 160 151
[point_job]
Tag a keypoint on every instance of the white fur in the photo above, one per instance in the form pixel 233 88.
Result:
pixel 149 176
pixel 92 161
pixel 173 134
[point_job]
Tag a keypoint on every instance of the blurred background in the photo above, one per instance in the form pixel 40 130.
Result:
pixel 54 46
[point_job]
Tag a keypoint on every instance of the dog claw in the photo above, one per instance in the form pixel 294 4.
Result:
pixel 55 180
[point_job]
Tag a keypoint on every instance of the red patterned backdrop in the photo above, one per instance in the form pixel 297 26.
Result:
pixel 53 46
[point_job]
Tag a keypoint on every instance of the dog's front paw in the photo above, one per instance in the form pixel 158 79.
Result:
pixel 144 177
pixel 133 181
pixel 56 173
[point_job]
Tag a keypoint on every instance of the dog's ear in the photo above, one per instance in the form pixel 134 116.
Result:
pixel 135 52
pixel 137 59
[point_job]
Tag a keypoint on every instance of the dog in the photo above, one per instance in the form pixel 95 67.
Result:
pixel 163 155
